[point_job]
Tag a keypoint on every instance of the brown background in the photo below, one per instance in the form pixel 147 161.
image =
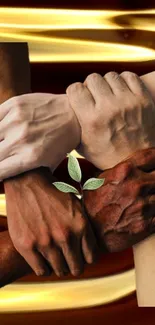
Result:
pixel 55 78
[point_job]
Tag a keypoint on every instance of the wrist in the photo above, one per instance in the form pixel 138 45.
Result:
pixel 67 131
pixel 74 137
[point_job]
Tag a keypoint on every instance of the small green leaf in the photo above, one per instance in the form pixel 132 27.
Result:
pixel 74 168
pixel 66 188
pixel 93 183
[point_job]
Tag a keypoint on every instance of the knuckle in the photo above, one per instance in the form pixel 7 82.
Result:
pixel 129 75
pixel 112 75
pixel 81 227
pixel 75 87
pixel 63 236
pixel 25 243
pixel 92 77
pixel 44 242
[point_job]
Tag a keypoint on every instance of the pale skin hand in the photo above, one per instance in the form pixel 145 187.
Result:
pixel 116 114
pixel 32 125
pixel 144 252
pixel 36 130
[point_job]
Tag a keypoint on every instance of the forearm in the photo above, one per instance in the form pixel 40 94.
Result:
pixel 12 264
pixel 14 80
pixel 144 258
pixel 144 252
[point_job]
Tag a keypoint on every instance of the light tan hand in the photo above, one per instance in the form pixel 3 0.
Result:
pixel 36 130
pixel 116 114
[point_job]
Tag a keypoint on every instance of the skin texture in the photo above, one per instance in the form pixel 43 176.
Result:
pixel 63 235
pixel 116 114
pixel 122 211
pixel 123 122
pixel 134 175
pixel 143 251
pixel 31 223
pixel 32 126
pixel 35 223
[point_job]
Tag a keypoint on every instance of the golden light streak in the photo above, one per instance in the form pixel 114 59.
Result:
pixel 28 24
pixel 66 295
pixel 2 205
pixel 50 49
pixel 64 19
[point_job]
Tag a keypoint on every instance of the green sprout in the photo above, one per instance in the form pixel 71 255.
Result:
pixel 75 173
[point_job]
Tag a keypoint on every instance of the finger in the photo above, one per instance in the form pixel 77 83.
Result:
pixel 141 208
pixel 149 208
pixel 134 82
pixel 56 260
pixel 73 255
pixel 144 159
pixel 36 262
pixel 89 246
pixel 80 99
pixel 116 82
pixel 98 86
pixel 148 185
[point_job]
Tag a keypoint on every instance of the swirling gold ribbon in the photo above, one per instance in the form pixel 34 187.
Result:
pixel 38 27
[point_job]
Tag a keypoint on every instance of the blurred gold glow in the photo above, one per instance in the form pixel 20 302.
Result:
pixel 66 295
pixel 50 49
pixel 2 205
pixel 17 25
pixel 64 19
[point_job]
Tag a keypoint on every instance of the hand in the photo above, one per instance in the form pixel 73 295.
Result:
pixel 122 211
pixel 37 130
pixel 116 114
pixel 46 226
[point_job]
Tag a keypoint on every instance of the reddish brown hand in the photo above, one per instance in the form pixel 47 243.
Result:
pixel 62 234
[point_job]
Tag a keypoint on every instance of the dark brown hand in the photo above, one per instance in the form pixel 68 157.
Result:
pixel 122 211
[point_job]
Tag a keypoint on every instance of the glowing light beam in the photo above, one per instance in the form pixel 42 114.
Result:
pixel 50 49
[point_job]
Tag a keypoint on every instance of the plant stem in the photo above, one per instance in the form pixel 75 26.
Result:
pixel 82 200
